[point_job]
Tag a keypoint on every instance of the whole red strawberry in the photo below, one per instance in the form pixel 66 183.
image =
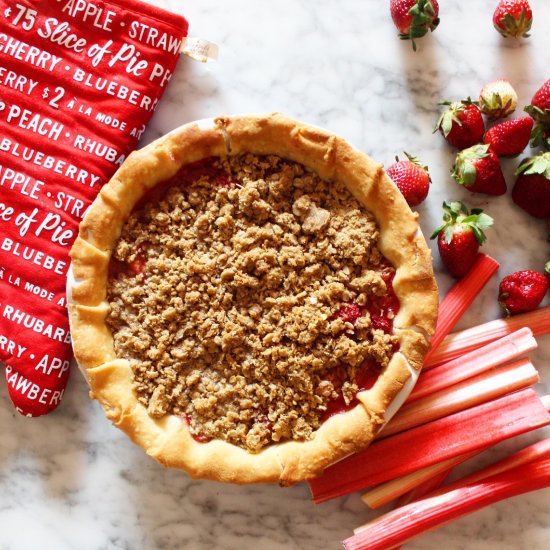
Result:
pixel 460 236
pixel 522 291
pixel 532 187
pixel 412 179
pixel 414 18
pixel 461 124
pixel 541 98
pixel 539 109
pixel 478 169
pixel 513 18
pixel 511 137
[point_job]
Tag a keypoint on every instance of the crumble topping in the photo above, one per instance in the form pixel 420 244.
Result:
pixel 250 300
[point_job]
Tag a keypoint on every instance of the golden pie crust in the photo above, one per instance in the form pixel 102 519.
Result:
pixel 168 439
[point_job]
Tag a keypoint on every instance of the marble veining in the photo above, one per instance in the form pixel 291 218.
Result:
pixel 71 480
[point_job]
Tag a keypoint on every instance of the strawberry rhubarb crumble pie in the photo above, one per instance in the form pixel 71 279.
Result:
pixel 249 295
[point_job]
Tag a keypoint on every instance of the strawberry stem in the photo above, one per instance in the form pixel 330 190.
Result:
pixel 423 19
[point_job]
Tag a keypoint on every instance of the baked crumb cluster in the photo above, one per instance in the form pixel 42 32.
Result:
pixel 233 303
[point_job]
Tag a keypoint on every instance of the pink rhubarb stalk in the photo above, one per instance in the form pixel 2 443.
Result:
pixel 537 451
pixel 460 297
pixel 406 452
pixel 408 522
pixel 424 488
pixel 421 490
pixel 474 362
pixel 484 387
pixel 459 343
pixel 391 490
pixel 386 492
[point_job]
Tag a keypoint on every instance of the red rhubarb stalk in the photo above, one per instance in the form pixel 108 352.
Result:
pixel 422 490
pixel 480 389
pixel 406 452
pixel 461 342
pixel 460 297
pixel 537 451
pixel 408 522
pixel 474 362
pixel 387 492
pixel 425 488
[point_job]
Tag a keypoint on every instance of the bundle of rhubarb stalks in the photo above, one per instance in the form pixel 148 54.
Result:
pixel 474 391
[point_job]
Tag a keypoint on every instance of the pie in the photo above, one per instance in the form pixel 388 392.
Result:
pixel 249 295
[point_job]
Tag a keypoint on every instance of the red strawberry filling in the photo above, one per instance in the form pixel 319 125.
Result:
pixel 197 436
pixel 382 310
pixel 207 168
pixel 366 377
pixel 266 307
pixel 131 268
pixel 349 313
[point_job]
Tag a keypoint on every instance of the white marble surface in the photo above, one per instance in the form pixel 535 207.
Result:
pixel 71 480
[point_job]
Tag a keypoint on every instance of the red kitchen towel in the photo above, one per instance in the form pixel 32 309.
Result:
pixel 79 81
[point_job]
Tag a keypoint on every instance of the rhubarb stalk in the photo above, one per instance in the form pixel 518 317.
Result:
pixel 386 492
pixel 474 362
pixel 455 345
pixel 403 524
pixel 460 297
pixel 422 490
pixel 537 451
pixel 406 452
pixel 425 488
pixel 418 492
pixel 480 389
pixel 389 491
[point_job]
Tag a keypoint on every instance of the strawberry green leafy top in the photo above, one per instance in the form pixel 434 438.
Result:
pixel 456 213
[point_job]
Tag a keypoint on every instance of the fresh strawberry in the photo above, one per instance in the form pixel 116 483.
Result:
pixel 511 137
pixel 478 169
pixel 460 236
pixel 414 18
pixel 412 179
pixel 498 99
pixel 461 124
pixel 513 18
pixel 532 187
pixel 522 291
pixel 539 109
pixel 541 98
